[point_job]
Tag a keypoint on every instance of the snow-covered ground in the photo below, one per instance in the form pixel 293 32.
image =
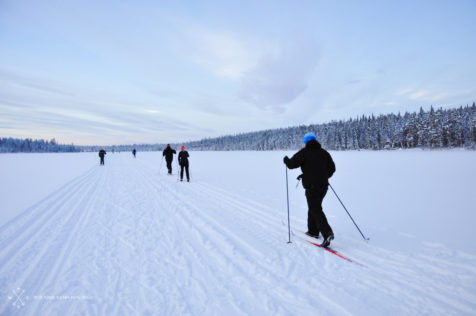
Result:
pixel 77 238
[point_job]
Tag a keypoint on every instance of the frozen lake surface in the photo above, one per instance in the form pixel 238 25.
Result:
pixel 125 238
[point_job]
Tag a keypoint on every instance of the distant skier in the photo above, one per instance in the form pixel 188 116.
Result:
pixel 183 161
pixel 317 167
pixel 168 153
pixel 134 152
pixel 102 153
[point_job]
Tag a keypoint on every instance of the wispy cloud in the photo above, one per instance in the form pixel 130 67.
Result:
pixel 434 94
pixel 222 52
pixel 419 94
pixel 281 76
pixel 102 123
pixel 13 78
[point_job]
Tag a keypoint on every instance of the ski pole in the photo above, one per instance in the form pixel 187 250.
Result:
pixel 348 213
pixel 287 198
pixel 161 161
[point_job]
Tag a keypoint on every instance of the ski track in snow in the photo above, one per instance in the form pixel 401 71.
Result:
pixel 125 240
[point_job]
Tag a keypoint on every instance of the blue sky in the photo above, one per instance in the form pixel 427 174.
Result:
pixel 118 72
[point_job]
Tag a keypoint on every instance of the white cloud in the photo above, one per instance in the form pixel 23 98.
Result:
pixel 433 94
pixel 404 91
pixel 418 95
pixel 280 77
pixel 223 53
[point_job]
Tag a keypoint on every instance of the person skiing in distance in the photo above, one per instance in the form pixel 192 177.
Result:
pixel 168 153
pixel 134 151
pixel 183 161
pixel 102 153
pixel 317 167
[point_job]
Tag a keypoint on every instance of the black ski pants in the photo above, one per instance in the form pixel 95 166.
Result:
pixel 102 160
pixel 182 166
pixel 169 165
pixel 316 219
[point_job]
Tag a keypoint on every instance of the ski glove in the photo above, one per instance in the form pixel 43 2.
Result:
pixel 286 160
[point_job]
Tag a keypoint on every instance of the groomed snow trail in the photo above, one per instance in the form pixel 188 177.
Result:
pixel 123 239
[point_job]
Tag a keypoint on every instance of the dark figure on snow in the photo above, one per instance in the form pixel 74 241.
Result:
pixel 183 161
pixel 102 153
pixel 317 167
pixel 168 153
pixel 134 151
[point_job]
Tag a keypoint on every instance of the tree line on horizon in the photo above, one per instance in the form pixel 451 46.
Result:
pixel 28 145
pixel 441 128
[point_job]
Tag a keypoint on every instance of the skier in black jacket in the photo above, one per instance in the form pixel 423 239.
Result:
pixel 183 161
pixel 102 153
pixel 169 156
pixel 317 167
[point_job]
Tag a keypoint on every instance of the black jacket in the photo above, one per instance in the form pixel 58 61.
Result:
pixel 183 158
pixel 102 152
pixel 316 164
pixel 169 153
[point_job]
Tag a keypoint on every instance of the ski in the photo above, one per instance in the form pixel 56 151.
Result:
pixel 328 249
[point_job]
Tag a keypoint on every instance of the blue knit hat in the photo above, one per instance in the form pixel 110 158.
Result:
pixel 309 136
